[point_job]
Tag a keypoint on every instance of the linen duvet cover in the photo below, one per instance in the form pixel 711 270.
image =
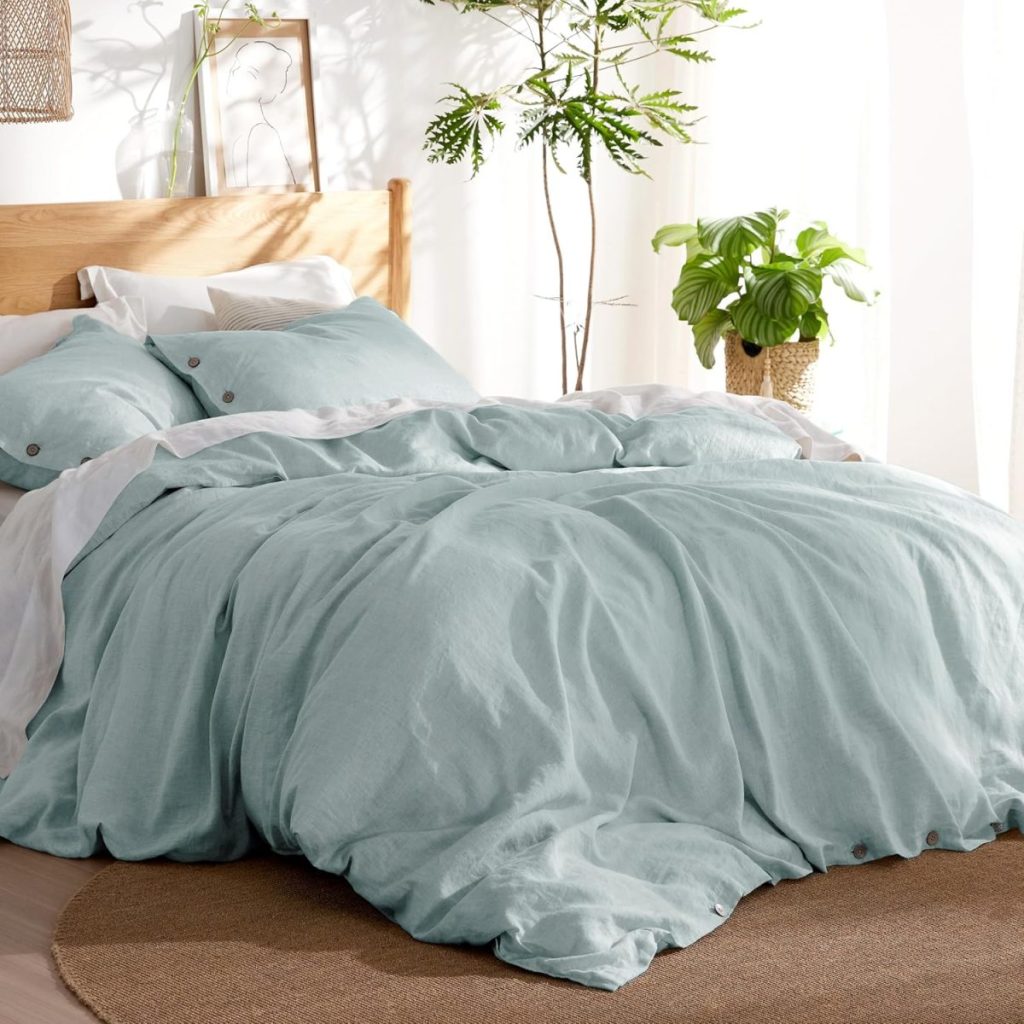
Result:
pixel 570 679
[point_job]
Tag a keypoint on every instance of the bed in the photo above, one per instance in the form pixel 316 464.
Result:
pixel 568 679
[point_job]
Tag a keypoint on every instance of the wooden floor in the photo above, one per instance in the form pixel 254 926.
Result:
pixel 33 890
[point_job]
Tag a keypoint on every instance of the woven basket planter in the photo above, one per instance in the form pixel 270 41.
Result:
pixel 35 60
pixel 744 373
pixel 792 371
pixel 786 372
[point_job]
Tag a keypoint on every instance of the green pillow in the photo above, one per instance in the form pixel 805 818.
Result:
pixel 96 390
pixel 352 356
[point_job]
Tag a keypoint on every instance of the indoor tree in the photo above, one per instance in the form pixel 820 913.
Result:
pixel 578 97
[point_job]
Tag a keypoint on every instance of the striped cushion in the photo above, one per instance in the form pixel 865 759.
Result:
pixel 234 312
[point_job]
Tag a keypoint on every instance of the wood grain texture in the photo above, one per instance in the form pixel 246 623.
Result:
pixel 400 263
pixel 33 890
pixel 43 246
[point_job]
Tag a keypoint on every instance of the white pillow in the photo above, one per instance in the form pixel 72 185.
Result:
pixel 181 305
pixel 235 312
pixel 23 338
pixel 8 498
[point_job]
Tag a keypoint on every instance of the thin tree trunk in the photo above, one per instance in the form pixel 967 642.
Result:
pixel 581 363
pixel 561 274
pixel 553 224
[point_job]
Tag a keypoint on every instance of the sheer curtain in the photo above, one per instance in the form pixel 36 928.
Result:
pixel 995 92
pixel 1017 442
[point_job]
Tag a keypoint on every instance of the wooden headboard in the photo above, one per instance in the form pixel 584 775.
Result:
pixel 42 247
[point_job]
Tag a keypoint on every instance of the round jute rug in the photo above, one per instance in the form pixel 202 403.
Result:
pixel 936 940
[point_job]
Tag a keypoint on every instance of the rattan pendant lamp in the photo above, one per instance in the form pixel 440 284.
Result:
pixel 35 60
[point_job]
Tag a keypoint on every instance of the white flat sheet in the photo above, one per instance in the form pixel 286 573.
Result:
pixel 9 497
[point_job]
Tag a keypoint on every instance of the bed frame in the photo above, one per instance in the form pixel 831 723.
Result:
pixel 42 247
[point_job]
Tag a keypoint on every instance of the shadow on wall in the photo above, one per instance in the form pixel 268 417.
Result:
pixel 150 70
pixel 383 67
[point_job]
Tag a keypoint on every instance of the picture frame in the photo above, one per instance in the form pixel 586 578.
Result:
pixel 258 105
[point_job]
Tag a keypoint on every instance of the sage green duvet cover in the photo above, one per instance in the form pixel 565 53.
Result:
pixel 544 678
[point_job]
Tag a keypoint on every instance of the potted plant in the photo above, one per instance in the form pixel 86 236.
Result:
pixel 743 282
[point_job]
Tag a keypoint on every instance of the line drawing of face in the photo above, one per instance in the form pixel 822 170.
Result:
pixel 259 75
pixel 259 72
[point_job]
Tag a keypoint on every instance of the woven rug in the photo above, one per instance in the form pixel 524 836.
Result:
pixel 935 940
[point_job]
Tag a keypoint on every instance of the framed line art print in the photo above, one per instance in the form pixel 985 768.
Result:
pixel 258 107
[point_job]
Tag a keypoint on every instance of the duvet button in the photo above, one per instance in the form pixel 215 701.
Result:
pixel 720 910
pixel 193 362
pixel 932 839
pixel 33 450
pixel 860 851
pixel 228 397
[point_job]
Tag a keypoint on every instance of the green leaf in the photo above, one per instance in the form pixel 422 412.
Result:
pixel 716 10
pixel 695 56
pixel 809 240
pixel 677 235
pixel 703 283
pixel 814 323
pixel 755 326
pixel 849 276
pixel 818 244
pixel 674 235
pixel 707 332
pixel 784 290
pixel 664 112
pixel 841 252
pixel 585 123
pixel 736 237
pixel 460 130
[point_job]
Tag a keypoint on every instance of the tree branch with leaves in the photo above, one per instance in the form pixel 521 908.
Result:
pixel 577 100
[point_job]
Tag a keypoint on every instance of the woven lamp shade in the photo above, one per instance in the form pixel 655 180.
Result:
pixel 35 60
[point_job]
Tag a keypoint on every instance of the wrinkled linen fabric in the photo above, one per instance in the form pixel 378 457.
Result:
pixel 566 680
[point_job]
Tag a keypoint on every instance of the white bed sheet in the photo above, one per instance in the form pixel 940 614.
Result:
pixel 9 497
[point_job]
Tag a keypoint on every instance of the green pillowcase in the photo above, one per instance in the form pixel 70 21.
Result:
pixel 363 353
pixel 96 390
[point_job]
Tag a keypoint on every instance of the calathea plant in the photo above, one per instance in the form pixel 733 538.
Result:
pixel 577 98
pixel 741 275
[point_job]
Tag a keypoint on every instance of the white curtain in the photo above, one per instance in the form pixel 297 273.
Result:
pixel 1017 438
pixel 1017 426
pixel 995 92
